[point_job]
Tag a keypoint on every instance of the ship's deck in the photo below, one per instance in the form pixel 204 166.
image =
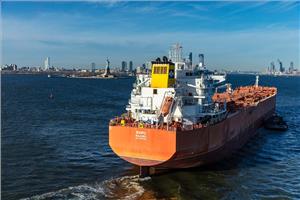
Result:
pixel 244 96
pixel 239 98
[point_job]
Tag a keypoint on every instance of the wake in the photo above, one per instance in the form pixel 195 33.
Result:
pixel 127 187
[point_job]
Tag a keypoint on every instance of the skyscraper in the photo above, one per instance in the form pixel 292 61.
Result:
pixel 175 53
pixel 201 60
pixel 93 66
pixel 47 63
pixel 130 66
pixel 291 68
pixel 124 66
pixel 191 58
pixel 281 68
pixel 272 68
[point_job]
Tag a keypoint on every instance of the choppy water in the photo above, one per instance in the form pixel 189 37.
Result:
pixel 58 148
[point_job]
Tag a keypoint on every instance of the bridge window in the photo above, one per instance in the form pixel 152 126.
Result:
pixel 160 70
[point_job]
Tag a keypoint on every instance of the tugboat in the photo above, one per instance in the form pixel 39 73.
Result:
pixel 276 123
pixel 176 118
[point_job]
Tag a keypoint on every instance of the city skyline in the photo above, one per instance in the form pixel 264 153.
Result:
pixel 244 35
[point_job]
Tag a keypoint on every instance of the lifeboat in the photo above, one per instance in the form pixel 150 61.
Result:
pixel 166 106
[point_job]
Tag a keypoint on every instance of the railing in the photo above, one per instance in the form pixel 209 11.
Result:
pixel 174 126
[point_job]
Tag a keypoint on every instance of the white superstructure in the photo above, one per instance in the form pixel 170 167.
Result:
pixel 176 92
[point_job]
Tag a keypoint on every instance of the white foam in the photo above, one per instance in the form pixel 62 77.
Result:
pixel 127 187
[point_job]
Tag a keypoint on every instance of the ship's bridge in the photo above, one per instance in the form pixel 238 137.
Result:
pixel 162 73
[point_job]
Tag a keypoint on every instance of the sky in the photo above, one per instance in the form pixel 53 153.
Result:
pixel 232 35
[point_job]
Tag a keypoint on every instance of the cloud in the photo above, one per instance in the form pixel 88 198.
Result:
pixel 244 6
pixel 223 48
pixel 285 6
pixel 75 38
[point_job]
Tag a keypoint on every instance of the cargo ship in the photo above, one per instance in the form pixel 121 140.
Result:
pixel 182 115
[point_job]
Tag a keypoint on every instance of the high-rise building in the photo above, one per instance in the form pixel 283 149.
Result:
pixel 191 58
pixel 272 68
pixel 281 68
pixel 93 66
pixel 291 68
pixel 201 60
pixel 175 53
pixel 47 63
pixel 139 69
pixel 124 66
pixel 14 67
pixel 130 66
pixel 11 67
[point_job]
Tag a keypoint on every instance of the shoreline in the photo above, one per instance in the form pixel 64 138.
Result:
pixel 66 75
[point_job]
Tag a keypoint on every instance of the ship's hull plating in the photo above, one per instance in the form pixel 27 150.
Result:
pixel 184 149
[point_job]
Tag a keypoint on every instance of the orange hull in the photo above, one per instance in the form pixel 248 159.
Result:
pixel 183 149
pixel 142 146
